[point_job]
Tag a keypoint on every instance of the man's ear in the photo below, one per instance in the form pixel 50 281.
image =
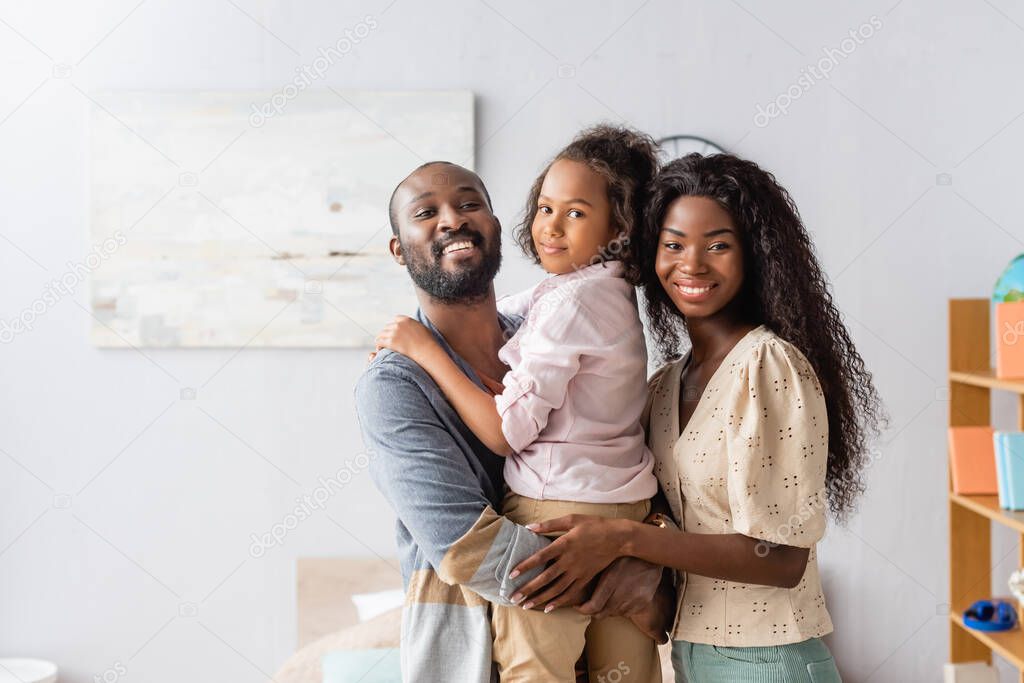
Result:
pixel 395 247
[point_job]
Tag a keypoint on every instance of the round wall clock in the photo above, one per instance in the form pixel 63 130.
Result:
pixel 675 146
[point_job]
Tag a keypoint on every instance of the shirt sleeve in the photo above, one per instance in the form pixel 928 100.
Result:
pixel 559 332
pixel 777 436
pixel 428 481
pixel 516 304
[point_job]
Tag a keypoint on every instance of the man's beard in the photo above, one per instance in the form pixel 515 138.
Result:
pixel 467 285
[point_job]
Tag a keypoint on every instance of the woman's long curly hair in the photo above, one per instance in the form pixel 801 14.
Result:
pixel 784 289
pixel 627 160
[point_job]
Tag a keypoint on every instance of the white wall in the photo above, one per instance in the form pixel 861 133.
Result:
pixel 164 493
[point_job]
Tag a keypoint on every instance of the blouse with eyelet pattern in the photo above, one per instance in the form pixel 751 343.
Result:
pixel 751 461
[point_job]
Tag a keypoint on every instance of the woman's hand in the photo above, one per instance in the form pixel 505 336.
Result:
pixel 408 337
pixel 590 544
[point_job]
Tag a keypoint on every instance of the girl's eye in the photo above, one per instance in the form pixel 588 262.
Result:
pixel 672 246
pixel 544 209
pixel 575 213
pixel 718 246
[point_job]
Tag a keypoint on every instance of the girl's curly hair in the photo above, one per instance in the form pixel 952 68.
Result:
pixel 628 160
pixel 784 288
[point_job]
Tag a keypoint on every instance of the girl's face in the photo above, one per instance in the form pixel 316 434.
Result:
pixel 700 258
pixel 573 220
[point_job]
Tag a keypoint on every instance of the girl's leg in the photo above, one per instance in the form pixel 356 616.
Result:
pixel 805 662
pixel 618 652
pixel 615 647
pixel 528 644
pixel 531 646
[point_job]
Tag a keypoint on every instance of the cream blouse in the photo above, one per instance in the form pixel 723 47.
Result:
pixel 751 461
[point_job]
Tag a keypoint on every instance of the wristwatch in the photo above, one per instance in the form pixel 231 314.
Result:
pixel 660 520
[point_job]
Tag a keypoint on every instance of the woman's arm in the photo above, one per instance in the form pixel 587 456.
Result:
pixel 474 405
pixel 733 557
pixel 591 543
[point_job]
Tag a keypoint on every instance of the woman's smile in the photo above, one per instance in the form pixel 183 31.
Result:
pixel 694 290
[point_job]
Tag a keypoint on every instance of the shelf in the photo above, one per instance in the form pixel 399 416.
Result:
pixel 971 517
pixel 988 506
pixel 987 379
pixel 1008 644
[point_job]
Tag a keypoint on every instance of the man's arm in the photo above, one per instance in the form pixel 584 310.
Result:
pixel 418 466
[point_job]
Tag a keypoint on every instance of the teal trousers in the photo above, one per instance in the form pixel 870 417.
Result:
pixel 805 662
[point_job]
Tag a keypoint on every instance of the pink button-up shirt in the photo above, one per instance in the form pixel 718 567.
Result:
pixel 576 389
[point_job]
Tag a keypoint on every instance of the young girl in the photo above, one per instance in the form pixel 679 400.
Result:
pixel 758 429
pixel 569 415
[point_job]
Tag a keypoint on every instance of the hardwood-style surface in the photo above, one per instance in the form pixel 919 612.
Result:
pixel 971 381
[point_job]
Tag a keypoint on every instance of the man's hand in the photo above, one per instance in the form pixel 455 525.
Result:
pixel 633 588
pixel 655 618
pixel 624 588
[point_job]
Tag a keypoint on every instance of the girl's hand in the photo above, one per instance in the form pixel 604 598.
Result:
pixel 408 337
pixel 590 544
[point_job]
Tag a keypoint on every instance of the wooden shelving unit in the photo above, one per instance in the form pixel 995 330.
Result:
pixel 971 381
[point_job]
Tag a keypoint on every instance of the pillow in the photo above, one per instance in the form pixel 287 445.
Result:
pixel 370 605
pixel 380 633
pixel 365 666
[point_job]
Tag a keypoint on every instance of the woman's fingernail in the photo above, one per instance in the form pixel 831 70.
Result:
pixel 533 527
pixel 514 574
pixel 528 605
pixel 516 598
pixel 548 608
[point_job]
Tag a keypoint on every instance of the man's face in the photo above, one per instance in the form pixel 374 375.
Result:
pixel 448 239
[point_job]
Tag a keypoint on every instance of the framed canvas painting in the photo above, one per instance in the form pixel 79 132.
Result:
pixel 230 219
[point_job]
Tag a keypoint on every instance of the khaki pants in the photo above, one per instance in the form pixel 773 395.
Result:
pixel 531 646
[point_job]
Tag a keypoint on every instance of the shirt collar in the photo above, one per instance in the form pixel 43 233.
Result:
pixel 508 326
pixel 603 269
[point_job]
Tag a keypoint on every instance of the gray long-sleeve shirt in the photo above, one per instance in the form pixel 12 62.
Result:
pixel 446 488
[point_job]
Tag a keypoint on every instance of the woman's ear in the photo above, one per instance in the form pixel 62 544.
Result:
pixel 395 247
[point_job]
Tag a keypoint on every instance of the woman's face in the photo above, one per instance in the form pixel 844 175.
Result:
pixel 573 220
pixel 700 258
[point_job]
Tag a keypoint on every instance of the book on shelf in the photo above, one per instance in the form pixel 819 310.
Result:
pixel 1009 455
pixel 972 461
pixel 1010 340
pixel 969 672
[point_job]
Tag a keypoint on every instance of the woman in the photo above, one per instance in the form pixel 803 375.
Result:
pixel 756 430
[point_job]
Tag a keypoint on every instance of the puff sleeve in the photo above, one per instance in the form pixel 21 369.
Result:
pixel 777 440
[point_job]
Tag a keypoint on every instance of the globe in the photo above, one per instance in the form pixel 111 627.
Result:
pixel 1010 285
